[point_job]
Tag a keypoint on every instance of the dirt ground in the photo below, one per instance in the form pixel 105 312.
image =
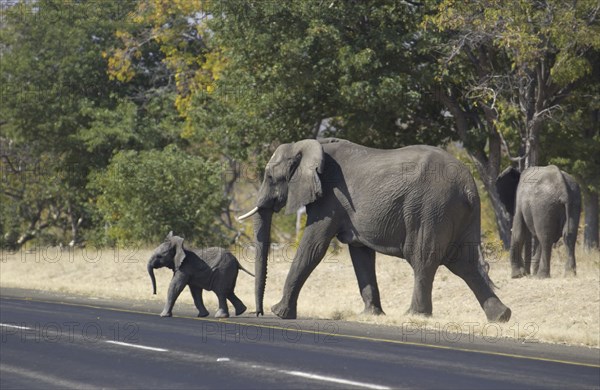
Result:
pixel 558 310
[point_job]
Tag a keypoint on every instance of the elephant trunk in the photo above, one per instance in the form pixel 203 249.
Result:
pixel 151 273
pixel 262 232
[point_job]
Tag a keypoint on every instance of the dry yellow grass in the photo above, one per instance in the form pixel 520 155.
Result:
pixel 559 310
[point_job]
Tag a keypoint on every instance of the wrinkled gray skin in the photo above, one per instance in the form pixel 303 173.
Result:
pixel 418 203
pixel 209 269
pixel 546 203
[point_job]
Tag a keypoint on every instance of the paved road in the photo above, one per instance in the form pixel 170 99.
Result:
pixel 62 345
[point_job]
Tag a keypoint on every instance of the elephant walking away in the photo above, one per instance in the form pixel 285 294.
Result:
pixel 417 202
pixel 545 203
pixel 213 269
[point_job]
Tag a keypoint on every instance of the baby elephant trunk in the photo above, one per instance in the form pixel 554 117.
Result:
pixel 151 272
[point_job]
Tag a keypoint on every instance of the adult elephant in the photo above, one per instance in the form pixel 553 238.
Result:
pixel 418 203
pixel 545 203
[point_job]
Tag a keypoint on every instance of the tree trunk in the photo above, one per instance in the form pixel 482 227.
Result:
pixel 532 144
pixel 503 218
pixel 75 223
pixel 487 165
pixel 33 230
pixel 493 169
pixel 590 232
pixel 591 239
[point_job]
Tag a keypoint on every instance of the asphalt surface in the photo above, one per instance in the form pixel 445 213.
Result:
pixel 51 343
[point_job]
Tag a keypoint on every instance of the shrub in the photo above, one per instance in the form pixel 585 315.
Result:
pixel 144 195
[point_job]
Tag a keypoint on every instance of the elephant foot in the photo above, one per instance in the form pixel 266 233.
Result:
pixel 284 312
pixel 570 272
pixel 221 314
pixel 203 313
pixel 240 309
pixel 518 273
pixel 495 310
pixel 373 310
pixel 418 312
pixel 542 274
pixel 166 314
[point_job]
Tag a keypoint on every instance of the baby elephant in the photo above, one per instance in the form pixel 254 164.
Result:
pixel 209 269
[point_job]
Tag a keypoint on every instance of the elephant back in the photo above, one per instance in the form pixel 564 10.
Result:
pixel 217 258
pixel 543 182
pixel 544 199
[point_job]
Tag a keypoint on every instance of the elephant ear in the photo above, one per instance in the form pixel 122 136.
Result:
pixel 506 185
pixel 179 252
pixel 304 184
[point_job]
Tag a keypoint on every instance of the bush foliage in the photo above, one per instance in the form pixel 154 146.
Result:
pixel 143 195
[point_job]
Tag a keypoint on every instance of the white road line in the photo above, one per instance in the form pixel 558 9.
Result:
pixel 335 380
pixel 137 346
pixel 14 326
pixel 293 373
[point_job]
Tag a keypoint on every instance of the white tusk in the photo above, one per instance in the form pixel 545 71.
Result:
pixel 248 214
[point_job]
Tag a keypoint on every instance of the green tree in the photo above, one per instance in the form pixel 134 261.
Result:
pixel 294 70
pixel 144 195
pixel 51 67
pixel 31 199
pixel 251 74
pixel 287 70
pixel 61 112
pixel 573 143
pixel 175 32
pixel 506 69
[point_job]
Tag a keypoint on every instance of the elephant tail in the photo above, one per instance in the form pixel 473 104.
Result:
pixel 245 270
pixel 484 267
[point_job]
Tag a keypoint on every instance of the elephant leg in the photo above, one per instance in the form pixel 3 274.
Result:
pixel 223 311
pixel 516 246
pixel 237 303
pixel 176 286
pixel 313 246
pixel 570 265
pixel 537 253
pixel 546 252
pixel 198 301
pixel 421 299
pixel 363 260
pixel 528 249
pixel 468 270
pixel 423 284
